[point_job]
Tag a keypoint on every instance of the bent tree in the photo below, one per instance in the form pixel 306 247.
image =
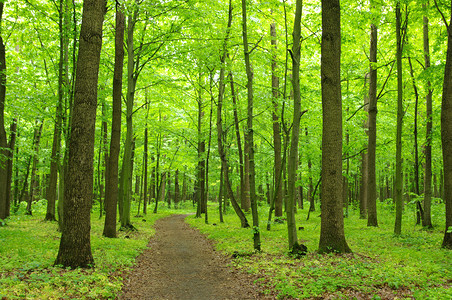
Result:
pixel 332 237
pixel 75 245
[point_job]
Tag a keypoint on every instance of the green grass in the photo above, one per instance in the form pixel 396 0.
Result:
pixel 29 245
pixel 411 265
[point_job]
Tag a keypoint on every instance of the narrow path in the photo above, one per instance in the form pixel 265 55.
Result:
pixel 180 263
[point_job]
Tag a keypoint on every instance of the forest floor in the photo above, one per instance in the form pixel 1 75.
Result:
pixel 180 263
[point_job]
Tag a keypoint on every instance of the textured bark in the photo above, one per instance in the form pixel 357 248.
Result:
pixel 427 221
pixel 293 152
pixel 446 139
pixel 246 199
pixel 250 133
pixel 75 245
pixel 332 237
pixel 3 139
pixel 371 200
pixel 111 186
pixel 276 128
pixel 398 197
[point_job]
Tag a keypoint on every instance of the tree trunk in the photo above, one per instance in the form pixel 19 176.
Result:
pixel 446 139
pixel 3 139
pixel 221 151
pixel 75 245
pixel 244 189
pixel 111 186
pixel 371 200
pixel 276 127
pixel 332 237
pixel 250 133
pixel 427 221
pixel 34 186
pixel 399 172
pixel 9 173
pixel 245 200
pixel 293 154
pixel 145 175
pixel 126 178
pixel 364 163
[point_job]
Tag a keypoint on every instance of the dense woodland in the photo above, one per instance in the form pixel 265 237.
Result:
pixel 267 110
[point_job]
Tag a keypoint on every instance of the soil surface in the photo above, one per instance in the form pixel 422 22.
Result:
pixel 180 263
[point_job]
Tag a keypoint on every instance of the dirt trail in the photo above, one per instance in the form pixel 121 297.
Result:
pixel 180 263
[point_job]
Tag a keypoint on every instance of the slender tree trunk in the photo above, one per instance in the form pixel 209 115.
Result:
pixel 332 237
pixel 427 221
pixel 446 138
pixel 75 245
pixel 176 189
pixel 371 200
pixel 3 138
pixel 276 127
pixel 126 178
pixel 250 133
pixel 34 186
pixel 399 171
pixel 9 173
pixel 111 186
pixel 293 154
pixel 145 175
pixel 246 200
pixel 221 150
pixel 364 162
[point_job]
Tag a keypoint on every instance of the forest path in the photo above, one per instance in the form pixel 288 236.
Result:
pixel 180 263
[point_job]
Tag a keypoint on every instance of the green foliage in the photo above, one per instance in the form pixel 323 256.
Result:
pixel 412 264
pixel 28 248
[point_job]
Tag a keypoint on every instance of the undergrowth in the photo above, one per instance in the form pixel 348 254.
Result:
pixel 382 265
pixel 29 246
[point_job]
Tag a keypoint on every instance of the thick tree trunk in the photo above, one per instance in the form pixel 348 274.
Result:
pixel 427 221
pixel 250 133
pixel 399 171
pixel 446 139
pixel 75 245
pixel 371 200
pixel 332 237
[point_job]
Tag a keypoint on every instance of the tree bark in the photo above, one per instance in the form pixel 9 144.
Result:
pixel 276 128
pixel 3 138
pixel 293 153
pixel 250 133
pixel 332 237
pixel 399 171
pixel 371 200
pixel 9 173
pixel 126 178
pixel 446 138
pixel 75 245
pixel 111 186
pixel 427 221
